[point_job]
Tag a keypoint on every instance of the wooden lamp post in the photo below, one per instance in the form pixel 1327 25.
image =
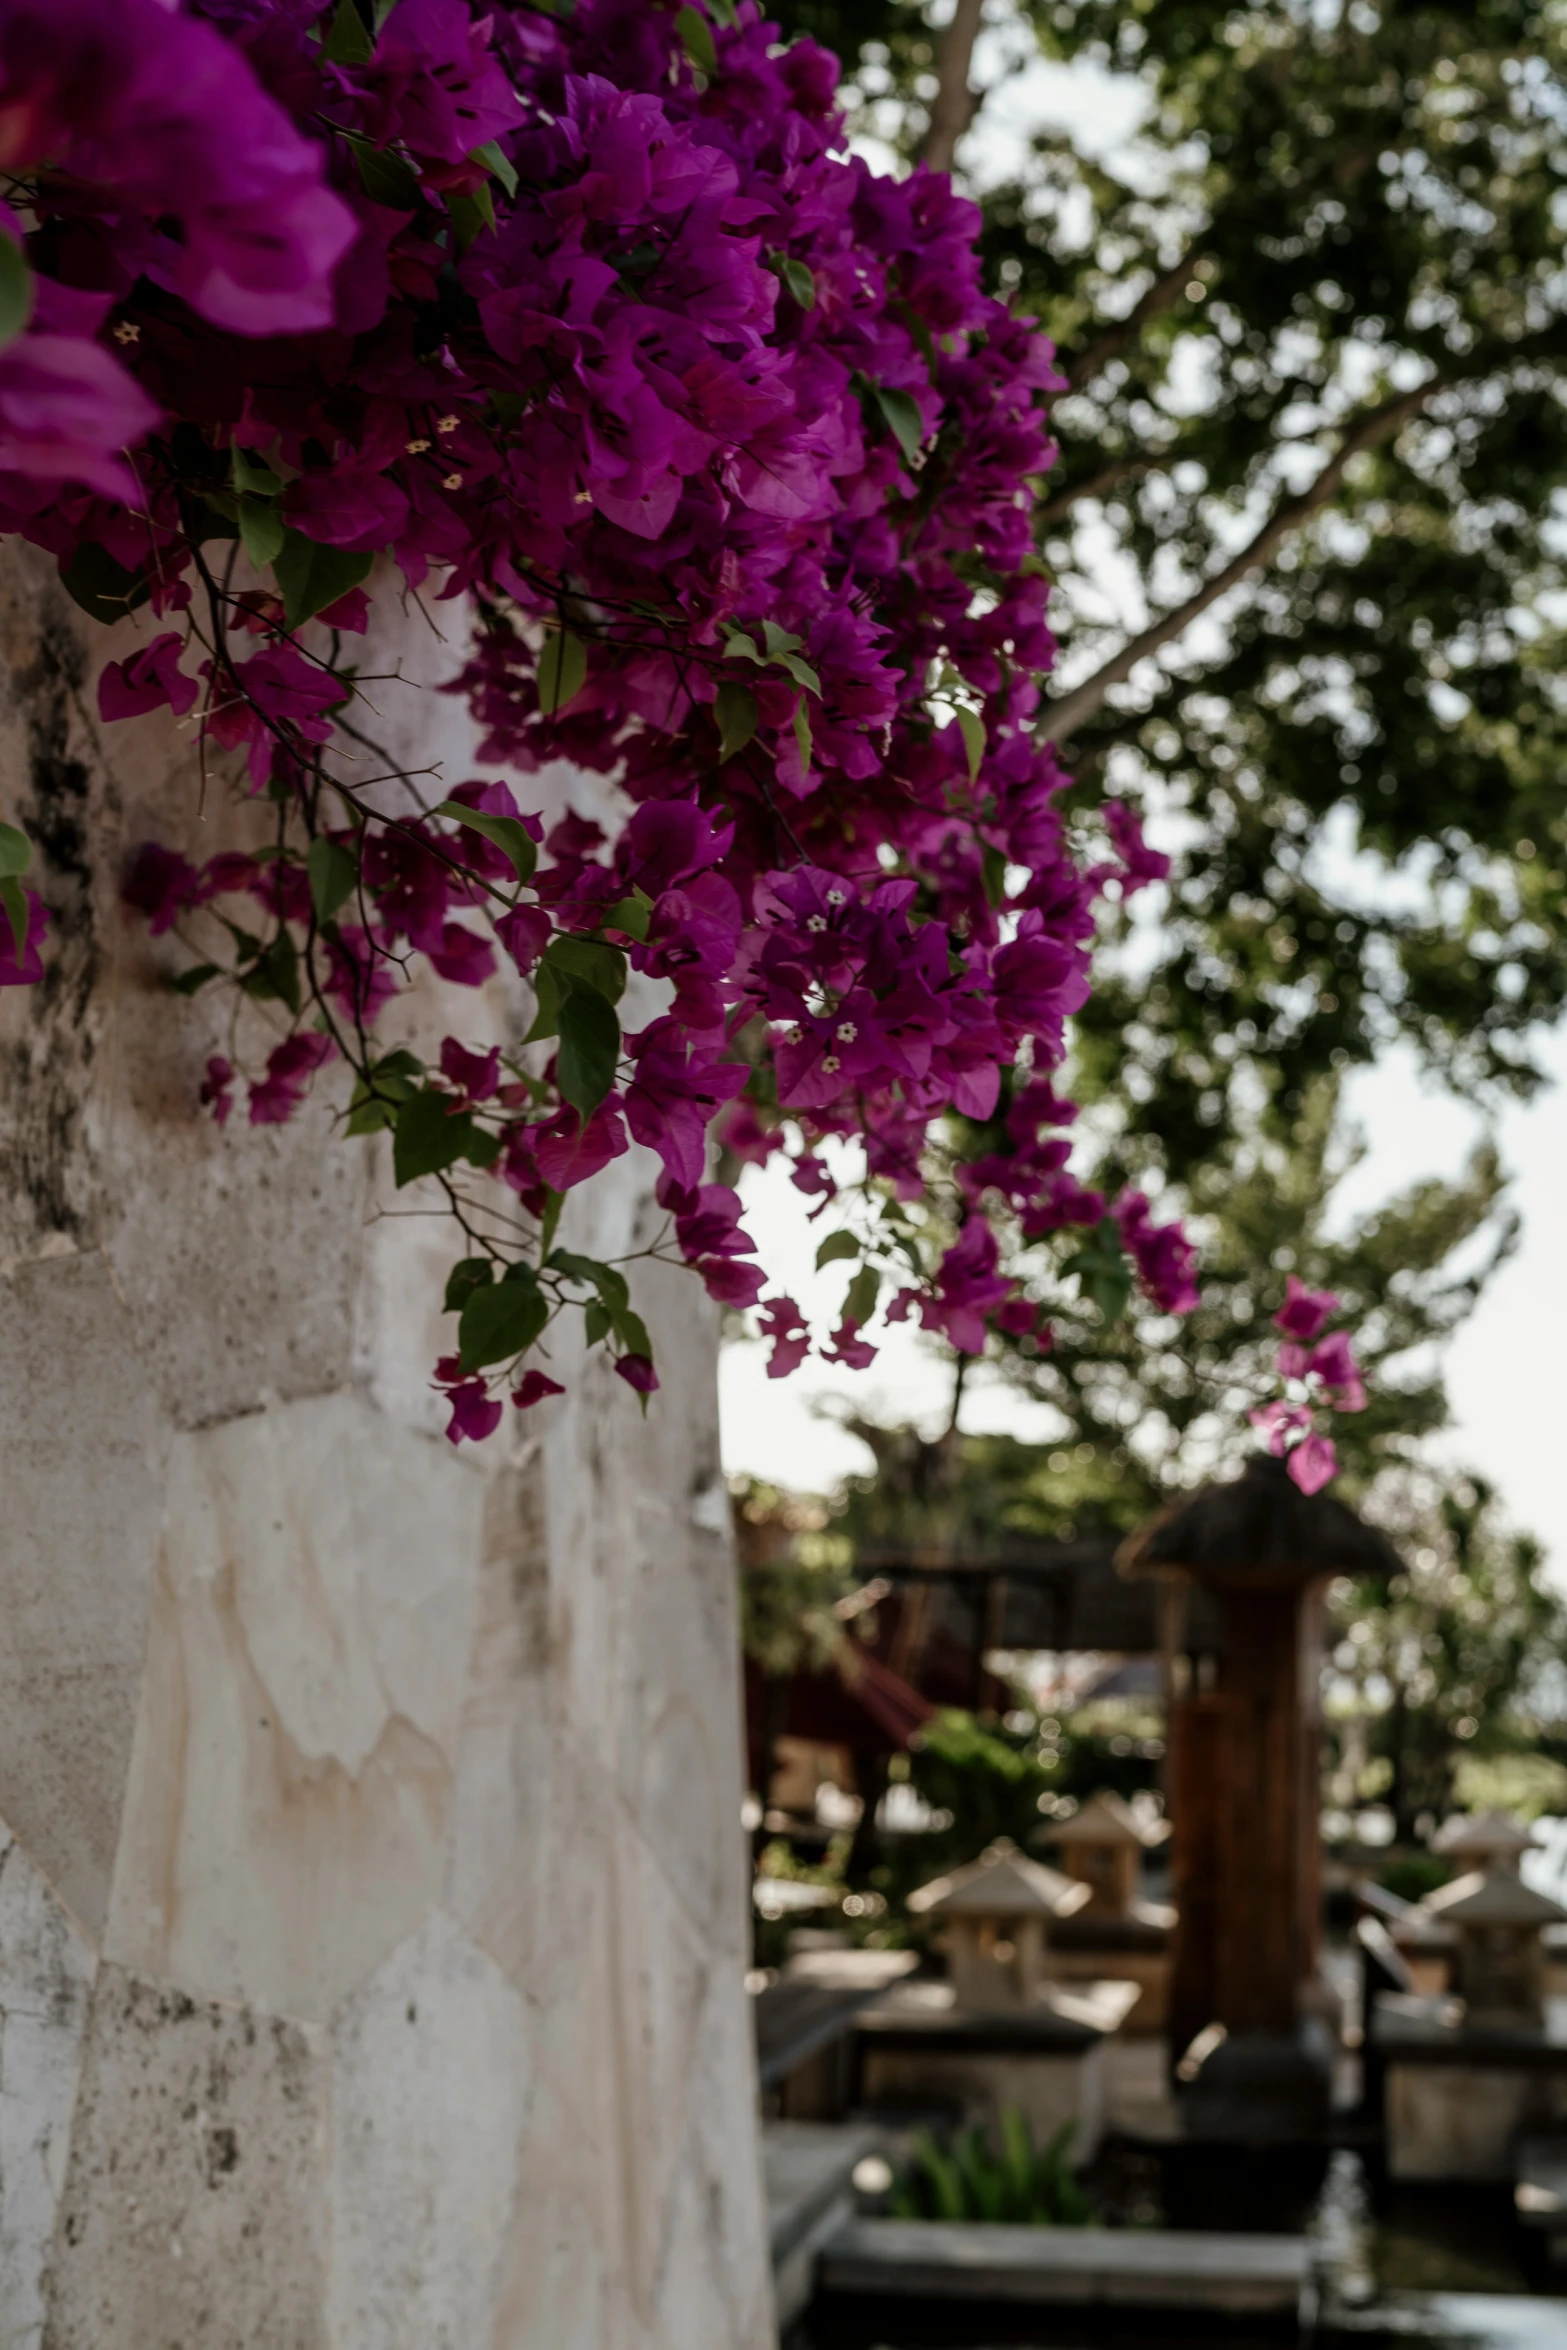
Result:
pixel 1243 1743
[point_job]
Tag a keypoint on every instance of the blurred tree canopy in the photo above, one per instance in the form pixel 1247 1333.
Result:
pixel 1305 528
pixel 1457 1657
pixel 1149 1406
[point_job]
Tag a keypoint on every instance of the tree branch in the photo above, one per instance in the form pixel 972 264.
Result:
pixel 952 108
pixel 1063 718
pixel 1095 486
pixel 1154 298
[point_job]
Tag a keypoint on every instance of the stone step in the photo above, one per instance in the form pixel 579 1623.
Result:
pixel 1146 2267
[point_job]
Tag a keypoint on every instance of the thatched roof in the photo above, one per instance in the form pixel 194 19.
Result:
pixel 1259 1523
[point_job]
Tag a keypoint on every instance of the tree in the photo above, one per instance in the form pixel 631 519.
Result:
pixel 1456 1656
pixel 1147 1405
pixel 1315 341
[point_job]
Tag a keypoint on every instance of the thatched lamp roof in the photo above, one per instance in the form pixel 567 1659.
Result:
pixel 1489 1836
pixel 1105 1819
pixel 1003 1882
pixel 1258 1527
pixel 1492 1898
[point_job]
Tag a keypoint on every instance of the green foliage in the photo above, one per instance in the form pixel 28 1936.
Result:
pixel 1017 2186
pixel 1456 1657
pixel 1149 1407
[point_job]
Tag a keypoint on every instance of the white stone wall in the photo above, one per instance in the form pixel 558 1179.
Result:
pixel 371 1880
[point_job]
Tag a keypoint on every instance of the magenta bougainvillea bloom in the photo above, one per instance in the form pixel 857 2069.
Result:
pixel 1324 1375
pixel 591 319
pixel 1304 1311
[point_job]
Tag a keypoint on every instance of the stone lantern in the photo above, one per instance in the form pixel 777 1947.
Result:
pixel 1500 1970
pixel 1243 1774
pixel 1486 1840
pixel 1102 1846
pixel 998 1911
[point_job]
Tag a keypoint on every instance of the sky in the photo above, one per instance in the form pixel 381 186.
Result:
pixel 1504 1382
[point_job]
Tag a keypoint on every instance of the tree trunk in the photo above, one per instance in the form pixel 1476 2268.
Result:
pixel 371 1871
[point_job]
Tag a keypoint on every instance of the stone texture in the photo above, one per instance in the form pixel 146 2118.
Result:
pixel 78 1535
pixel 46 1973
pixel 371 1941
pixel 287 1813
pixel 192 2216
pixel 431 2066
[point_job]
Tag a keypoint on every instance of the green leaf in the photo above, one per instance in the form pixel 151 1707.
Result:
pixel 697 36
pixel 723 11
pixel 494 159
pixel 16 850
pixel 554 1201
pixel 261 531
pixel 102 586
pixel 563 666
pixel 386 177
pixel 632 915
pixel 16 291
pixel 273 977
pixel 310 576
pixel 546 1005
pixel 836 1245
pixel 631 1330
pixel 595 1322
pixel 864 1290
pixel 589 963
pixel 736 712
pixel 471 213
pixel 502 1320
pixel 797 277
pixel 509 834
pixel 779 640
pixel 334 874
pixel 428 1138
pixel 740 647
pixel 349 42
pixel 14 899
pixel 191 982
pixel 1101 1271
pixel 608 1280
pixel 463 1279
pixel 251 477
pixel 993 873
pixel 375 1103
pixel 589 1049
pixel 901 411
pixel 802 732
pixel 972 728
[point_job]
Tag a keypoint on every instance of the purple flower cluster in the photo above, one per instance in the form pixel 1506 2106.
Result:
pixel 589 318
pixel 1324 1373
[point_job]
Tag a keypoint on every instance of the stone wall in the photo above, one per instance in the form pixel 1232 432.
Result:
pixel 371 1880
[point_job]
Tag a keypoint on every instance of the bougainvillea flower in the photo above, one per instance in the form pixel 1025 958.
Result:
pixel 783 1323
pixel 638 1373
pixel 1312 1463
pixel 151 679
pixel 535 1387
pixel 1165 1259
pixel 290 1067
pixel 1304 1310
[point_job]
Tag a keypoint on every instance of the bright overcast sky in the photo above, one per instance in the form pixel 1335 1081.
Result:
pixel 1501 1366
